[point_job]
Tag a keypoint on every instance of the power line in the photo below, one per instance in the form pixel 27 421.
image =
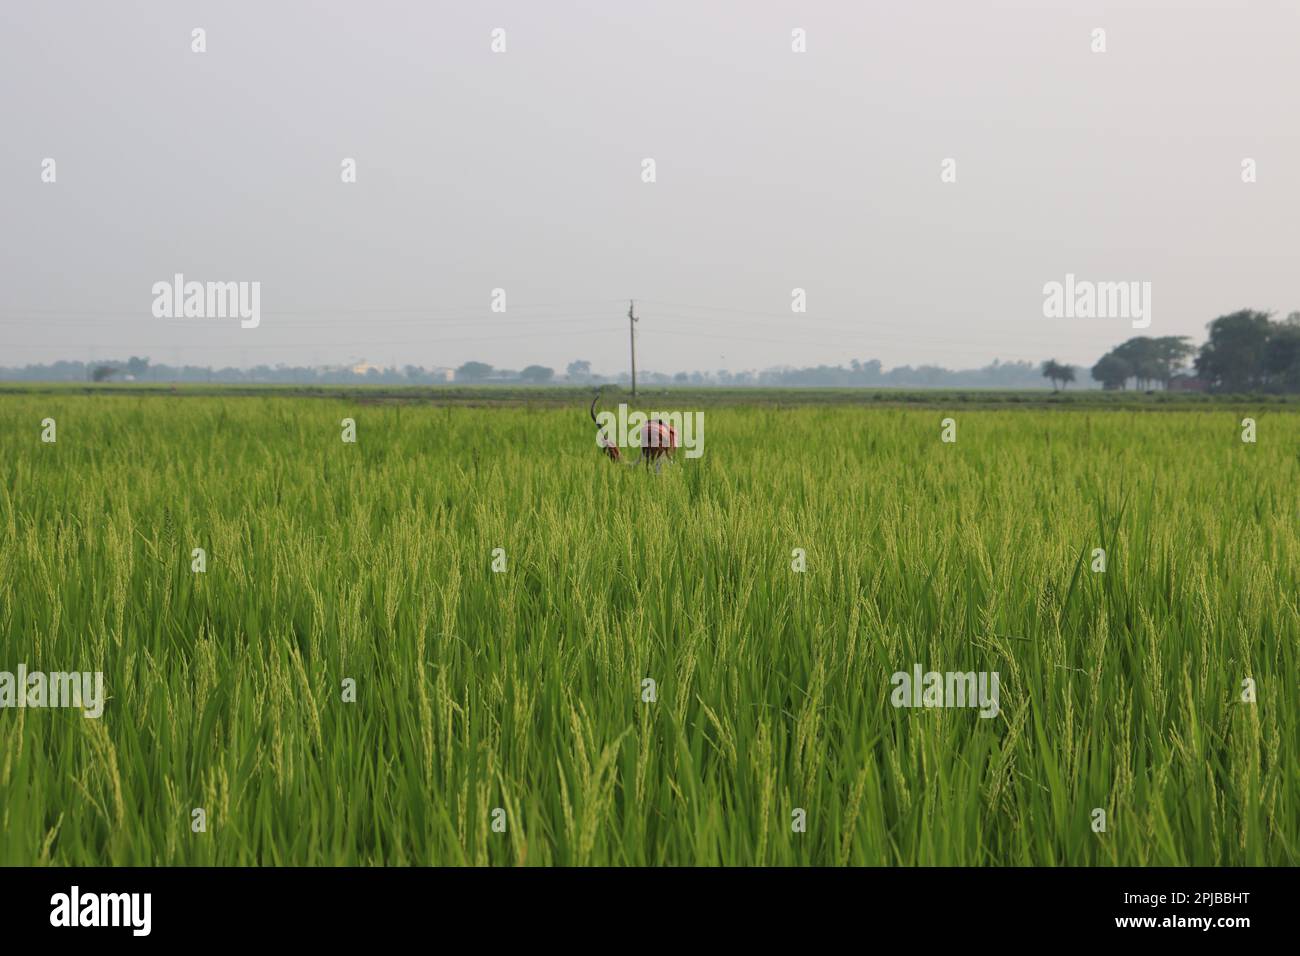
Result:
pixel 794 330
pixel 451 322
pixel 327 310
pixel 365 343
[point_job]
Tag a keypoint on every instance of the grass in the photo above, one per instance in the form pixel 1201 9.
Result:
pixel 569 396
pixel 523 690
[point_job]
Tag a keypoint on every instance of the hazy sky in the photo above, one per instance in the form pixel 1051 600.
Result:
pixel 523 170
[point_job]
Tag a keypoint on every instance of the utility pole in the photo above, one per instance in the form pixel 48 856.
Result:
pixel 631 334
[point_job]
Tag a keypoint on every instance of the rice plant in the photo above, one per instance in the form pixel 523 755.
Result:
pixel 647 677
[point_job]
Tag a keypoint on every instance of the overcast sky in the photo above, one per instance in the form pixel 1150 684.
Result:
pixel 522 170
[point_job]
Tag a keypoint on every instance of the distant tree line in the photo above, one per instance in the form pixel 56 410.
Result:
pixel 997 375
pixel 1246 351
pixel 1146 361
pixel 1004 375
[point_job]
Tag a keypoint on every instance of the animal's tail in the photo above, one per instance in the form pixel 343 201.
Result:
pixel 606 445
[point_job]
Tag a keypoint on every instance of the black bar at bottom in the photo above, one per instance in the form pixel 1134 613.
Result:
pixel 334 906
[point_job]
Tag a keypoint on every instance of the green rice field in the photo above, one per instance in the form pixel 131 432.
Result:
pixel 649 681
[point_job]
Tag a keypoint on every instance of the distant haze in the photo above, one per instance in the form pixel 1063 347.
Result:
pixel 522 170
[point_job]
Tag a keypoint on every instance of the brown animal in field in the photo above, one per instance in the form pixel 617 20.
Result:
pixel 659 441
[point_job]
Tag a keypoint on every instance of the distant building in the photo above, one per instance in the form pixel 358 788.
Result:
pixel 1188 383
pixel 442 374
